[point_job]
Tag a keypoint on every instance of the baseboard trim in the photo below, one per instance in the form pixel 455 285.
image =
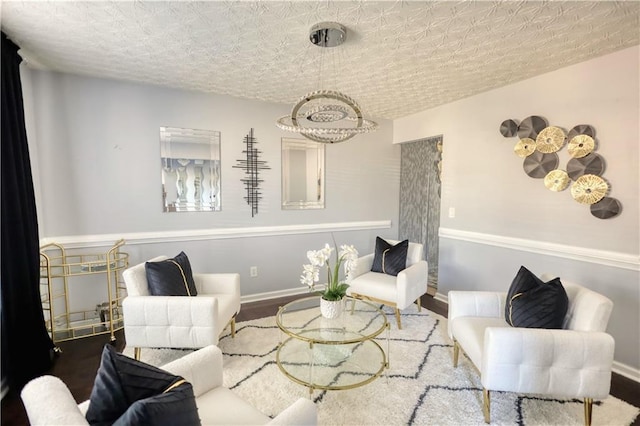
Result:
pixel 258 297
pixel 602 257
pixel 618 367
pixel 441 297
pixel 626 371
pixel 136 238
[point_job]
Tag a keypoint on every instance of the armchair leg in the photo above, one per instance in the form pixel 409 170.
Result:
pixel 419 305
pixel 486 405
pixel 456 353
pixel 233 327
pixel 588 411
pixel 398 319
pixel 136 354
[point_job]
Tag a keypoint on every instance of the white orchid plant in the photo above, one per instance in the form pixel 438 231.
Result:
pixel 335 289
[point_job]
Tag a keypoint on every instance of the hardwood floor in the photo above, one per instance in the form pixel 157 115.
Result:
pixel 79 361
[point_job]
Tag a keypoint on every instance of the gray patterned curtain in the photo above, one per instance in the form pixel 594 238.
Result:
pixel 420 198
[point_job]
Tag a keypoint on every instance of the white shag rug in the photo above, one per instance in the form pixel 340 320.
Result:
pixel 421 386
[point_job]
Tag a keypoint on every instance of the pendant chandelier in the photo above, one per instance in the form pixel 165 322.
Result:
pixel 326 116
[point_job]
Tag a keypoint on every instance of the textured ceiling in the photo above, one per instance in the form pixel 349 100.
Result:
pixel 399 58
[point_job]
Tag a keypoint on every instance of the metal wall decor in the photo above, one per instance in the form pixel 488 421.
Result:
pixel 537 164
pixel 592 164
pixel 556 180
pixel 252 166
pixel 539 144
pixel 550 139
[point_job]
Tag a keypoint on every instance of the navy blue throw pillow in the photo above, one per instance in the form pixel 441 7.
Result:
pixel 130 392
pixel 390 259
pixel 171 277
pixel 532 303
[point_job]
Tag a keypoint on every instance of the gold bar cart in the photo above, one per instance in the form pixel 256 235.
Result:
pixel 59 268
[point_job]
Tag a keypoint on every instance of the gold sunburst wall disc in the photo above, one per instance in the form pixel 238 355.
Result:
pixel 556 180
pixel 589 189
pixel 550 139
pixel 524 147
pixel 580 146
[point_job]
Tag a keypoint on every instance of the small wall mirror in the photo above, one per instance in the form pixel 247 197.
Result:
pixel 302 174
pixel 190 169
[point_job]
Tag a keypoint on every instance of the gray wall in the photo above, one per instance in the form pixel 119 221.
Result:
pixel 96 153
pixel 504 219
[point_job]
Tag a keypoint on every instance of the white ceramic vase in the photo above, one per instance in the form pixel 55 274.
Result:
pixel 331 308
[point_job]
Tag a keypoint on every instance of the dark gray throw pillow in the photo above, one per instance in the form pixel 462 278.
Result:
pixel 171 277
pixel 390 259
pixel 130 392
pixel 532 303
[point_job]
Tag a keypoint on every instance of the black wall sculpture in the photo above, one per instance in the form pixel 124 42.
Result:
pixel 252 166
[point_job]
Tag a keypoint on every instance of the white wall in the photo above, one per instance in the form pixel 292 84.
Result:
pixel 97 149
pixel 504 219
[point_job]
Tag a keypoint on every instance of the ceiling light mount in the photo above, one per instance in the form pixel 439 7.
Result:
pixel 326 116
pixel 328 34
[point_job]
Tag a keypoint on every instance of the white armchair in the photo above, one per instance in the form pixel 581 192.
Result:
pixel 48 401
pixel 573 362
pixel 178 321
pixel 399 291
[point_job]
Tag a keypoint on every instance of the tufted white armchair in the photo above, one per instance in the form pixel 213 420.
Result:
pixel 573 362
pixel 48 401
pixel 400 291
pixel 178 321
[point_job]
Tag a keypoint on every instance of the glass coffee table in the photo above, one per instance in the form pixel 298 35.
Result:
pixel 331 354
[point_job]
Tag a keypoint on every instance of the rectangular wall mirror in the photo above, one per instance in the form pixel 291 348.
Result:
pixel 190 169
pixel 302 174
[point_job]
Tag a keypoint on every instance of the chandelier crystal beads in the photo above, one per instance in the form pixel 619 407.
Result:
pixel 327 116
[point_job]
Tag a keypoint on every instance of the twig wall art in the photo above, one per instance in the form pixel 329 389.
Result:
pixel 539 144
pixel 252 166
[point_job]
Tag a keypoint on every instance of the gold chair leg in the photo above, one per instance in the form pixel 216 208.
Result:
pixel 456 353
pixel 588 411
pixel 398 319
pixel 136 354
pixel 233 327
pixel 486 405
pixel 419 305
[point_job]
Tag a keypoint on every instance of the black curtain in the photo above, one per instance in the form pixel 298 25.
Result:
pixel 26 345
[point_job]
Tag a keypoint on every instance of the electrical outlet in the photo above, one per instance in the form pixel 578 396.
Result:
pixel 452 212
pixel 253 271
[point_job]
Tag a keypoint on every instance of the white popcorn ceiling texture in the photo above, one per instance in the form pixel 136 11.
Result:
pixel 400 57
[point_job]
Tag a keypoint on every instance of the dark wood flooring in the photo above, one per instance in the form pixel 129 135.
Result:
pixel 79 361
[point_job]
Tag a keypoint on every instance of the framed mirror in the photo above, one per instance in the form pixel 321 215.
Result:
pixel 190 169
pixel 302 174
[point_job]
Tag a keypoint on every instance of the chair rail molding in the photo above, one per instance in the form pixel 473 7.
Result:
pixel 602 257
pixel 136 238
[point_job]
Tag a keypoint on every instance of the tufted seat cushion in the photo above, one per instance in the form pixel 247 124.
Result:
pixel 471 331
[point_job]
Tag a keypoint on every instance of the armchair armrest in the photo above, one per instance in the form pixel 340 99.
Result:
pixel 363 265
pixel 412 283
pixel 202 368
pixel 558 362
pixel 303 412
pixel 217 283
pixel 475 304
pixel 48 401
